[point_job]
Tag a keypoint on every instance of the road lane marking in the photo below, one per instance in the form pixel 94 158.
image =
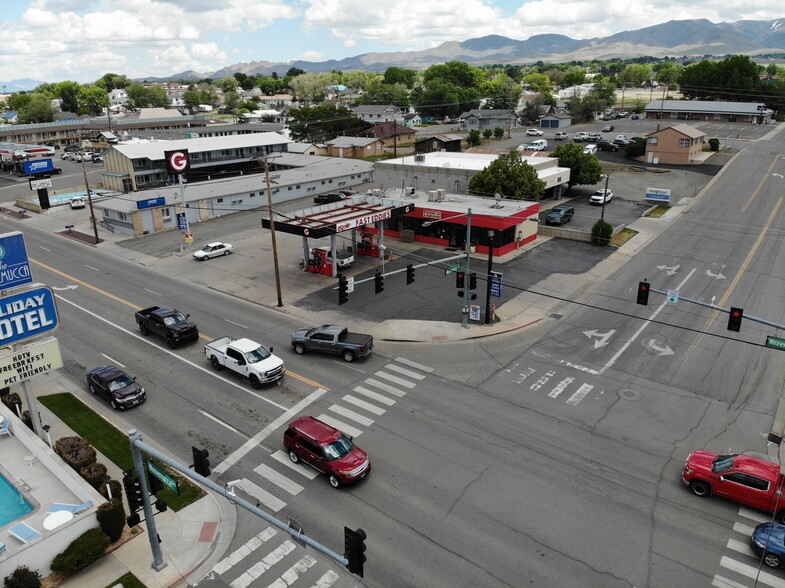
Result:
pixel 270 474
pixel 261 495
pixel 560 387
pixel 222 423
pixel 113 361
pixel 261 567
pixel 754 515
pixel 580 394
pixel 395 379
pixel 254 441
pixel 404 371
pixel 385 387
pixel 340 425
pixel 291 575
pixel 243 551
pixel 414 364
pixel 283 458
pixel 637 333
pixel 751 572
pixel 741 547
pixel 236 324
pixel 365 421
pixel 374 396
pixel 760 184
pixel 152 292
pixel 365 405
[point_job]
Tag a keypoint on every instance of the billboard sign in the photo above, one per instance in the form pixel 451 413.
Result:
pixel 658 195
pixel 177 162
pixel 14 265
pixel 39 166
pixel 151 202
pixel 29 360
pixel 27 315
pixel 40 184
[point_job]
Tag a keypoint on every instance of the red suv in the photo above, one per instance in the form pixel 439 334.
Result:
pixel 326 449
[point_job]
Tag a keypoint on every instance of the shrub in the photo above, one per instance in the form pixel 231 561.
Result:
pixel 487 133
pixel 84 550
pixel 27 420
pixel 115 487
pixel 714 144
pixel 636 148
pixel 111 517
pixel 23 577
pixel 4 392
pixel 601 233
pixel 498 133
pixel 93 473
pixel 473 138
pixel 75 451
pixel 12 400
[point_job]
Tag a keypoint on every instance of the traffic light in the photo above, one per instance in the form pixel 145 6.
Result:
pixel 472 281
pixel 734 319
pixel 643 293
pixel 378 281
pixel 201 463
pixel 133 492
pixel 133 520
pixel 155 484
pixel 161 506
pixel 409 274
pixel 343 289
pixel 460 280
pixel 354 542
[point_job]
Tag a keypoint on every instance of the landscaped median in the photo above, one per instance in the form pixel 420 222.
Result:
pixel 114 444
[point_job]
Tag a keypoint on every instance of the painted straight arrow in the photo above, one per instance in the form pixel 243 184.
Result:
pixel 717 276
pixel 68 287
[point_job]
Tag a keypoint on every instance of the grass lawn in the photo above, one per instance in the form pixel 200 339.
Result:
pixel 112 443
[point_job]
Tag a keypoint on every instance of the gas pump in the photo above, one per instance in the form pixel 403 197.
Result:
pixel 367 246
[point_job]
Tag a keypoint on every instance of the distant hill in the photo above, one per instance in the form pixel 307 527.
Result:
pixel 22 85
pixel 676 38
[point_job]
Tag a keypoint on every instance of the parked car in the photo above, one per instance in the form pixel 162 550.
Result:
pixel 77 202
pixel 534 133
pixel 590 149
pixel 621 142
pixel 581 136
pixel 624 114
pixel 67 155
pixel 328 198
pixel 97 158
pixel 213 250
pixel 538 145
pixel 327 450
pixel 560 136
pixel 121 390
pixel 608 129
pixel 334 339
pixel 600 195
pixel 607 146
pixel 620 138
pixel 594 137
pixel 635 117
pixel 558 215
pixel 768 542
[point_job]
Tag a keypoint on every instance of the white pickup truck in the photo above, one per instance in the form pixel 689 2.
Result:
pixel 247 358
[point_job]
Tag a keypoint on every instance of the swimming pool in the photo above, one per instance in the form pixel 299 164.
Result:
pixel 12 504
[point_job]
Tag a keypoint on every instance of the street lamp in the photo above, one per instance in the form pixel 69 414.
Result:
pixel 604 197
pixel 468 215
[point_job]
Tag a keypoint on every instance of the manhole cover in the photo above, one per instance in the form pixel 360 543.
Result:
pixel 628 394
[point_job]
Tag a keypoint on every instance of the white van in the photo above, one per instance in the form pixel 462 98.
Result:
pixel 538 145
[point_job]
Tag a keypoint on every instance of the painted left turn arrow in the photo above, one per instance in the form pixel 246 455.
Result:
pixel 68 287
pixel 669 269
pixel 600 339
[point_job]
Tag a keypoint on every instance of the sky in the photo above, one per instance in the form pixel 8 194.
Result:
pixel 81 40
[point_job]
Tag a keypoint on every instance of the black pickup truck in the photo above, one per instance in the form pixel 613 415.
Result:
pixel 169 323
pixel 332 339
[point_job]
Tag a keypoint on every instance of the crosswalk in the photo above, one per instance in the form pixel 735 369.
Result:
pixel 555 383
pixel 741 568
pixel 271 559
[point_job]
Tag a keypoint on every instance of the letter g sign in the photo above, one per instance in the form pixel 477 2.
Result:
pixel 177 162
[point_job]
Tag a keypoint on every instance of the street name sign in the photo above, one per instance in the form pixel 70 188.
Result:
pixel 27 315
pixel 165 478
pixel 496 284
pixel 775 342
pixel 29 360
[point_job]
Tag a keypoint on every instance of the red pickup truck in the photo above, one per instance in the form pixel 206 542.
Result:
pixel 742 478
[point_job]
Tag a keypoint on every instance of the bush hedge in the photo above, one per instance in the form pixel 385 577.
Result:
pixel 23 577
pixel 93 473
pixel 75 451
pixel 111 517
pixel 714 144
pixel 84 550
pixel 601 233
pixel 116 489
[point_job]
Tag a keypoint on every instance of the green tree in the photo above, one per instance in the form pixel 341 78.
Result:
pixel 487 133
pixel 93 99
pixel 636 74
pixel 37 110
pixel 323 122
pixel 246 83
pixel 18 100
pixel 498 133
pixel 294 72
pixel 310 87
pixel 378 92
pixel 192 98
pixel 603 93
pixel 585 169
pixel 68 92
pixel 473 138
pixel 501 92
pixel 112 81
pixel 23 577
pixel 574 76
pixel 232 101
pixel 157 97
pixel 457 73
pixel 399 75
pixel 509 176
pixel 538 83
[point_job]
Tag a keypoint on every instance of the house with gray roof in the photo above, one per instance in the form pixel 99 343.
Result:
pixel 488 118
pixel 355 147
pixel 378 113
pixel 709 110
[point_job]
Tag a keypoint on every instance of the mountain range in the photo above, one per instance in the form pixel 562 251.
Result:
pixel 676 38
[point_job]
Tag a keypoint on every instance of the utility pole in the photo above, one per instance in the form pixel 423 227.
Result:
pixel 272 230
pixel 89 198
pixel 489 281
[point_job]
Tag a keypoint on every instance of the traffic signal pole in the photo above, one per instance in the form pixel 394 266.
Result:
pixel 137 446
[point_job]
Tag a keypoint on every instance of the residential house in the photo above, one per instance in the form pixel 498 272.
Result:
pixel 275 101
pixel 677 145
pixel 356 147
pixel 446 142
pixel 490 118
pixel 375 113
pixel 118 97
pixel 307 148
pixel 11 117
pixel 708 110
pixel 555 121
pixel 412 119
pixel 391 134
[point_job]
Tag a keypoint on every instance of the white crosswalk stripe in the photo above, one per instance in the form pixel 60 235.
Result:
pixel 283 457
pixel 560 387
pixel 280 480
pixel 580 394
pixel 340 425
pixel 364 405
pixel 395 379
pixel 351 415
pixel 291 575
pixel 260 494
pixel 752 572
pixel 328 579
pixel 385 387
pixel 410 363
pixel 244 550
pixel 404 371
pixel 262 566
pixel 374 395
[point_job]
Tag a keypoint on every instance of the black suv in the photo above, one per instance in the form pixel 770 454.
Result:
pixel 558 215
pixel 607 146
pixel 120 389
